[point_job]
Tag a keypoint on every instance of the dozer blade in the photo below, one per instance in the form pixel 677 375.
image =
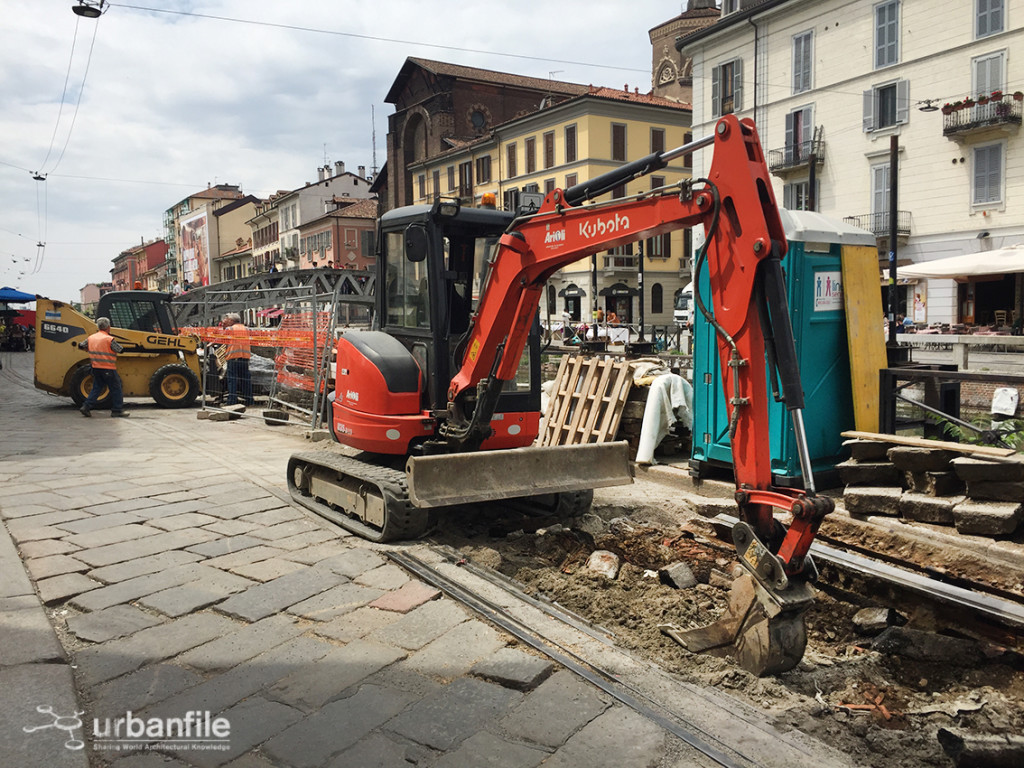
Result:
pixel 765 639
pixel 464 478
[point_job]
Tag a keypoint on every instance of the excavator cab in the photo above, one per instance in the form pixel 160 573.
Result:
pixel 433 261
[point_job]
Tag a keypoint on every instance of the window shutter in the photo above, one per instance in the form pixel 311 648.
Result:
pixel 902 101
pixel 869 110
pixel 716 92
pixel 787 196
pixel 790 136
pixel 737 85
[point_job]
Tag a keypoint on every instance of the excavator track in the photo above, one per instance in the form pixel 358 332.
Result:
pixel 367 499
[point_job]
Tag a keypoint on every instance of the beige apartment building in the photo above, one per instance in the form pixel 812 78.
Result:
pixel 562 144
pixel 830 82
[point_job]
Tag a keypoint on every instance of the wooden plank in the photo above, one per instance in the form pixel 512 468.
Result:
pixel 920 442
pixel 865 338
pixel 587 402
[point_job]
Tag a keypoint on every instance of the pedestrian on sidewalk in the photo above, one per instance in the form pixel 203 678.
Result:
pixel 103 351
pixel 239 380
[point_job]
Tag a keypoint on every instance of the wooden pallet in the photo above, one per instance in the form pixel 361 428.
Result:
pixel 587 401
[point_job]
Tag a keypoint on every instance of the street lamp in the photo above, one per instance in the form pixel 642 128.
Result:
pixel 90 9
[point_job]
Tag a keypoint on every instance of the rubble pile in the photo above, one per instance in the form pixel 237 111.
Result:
pixel 978 496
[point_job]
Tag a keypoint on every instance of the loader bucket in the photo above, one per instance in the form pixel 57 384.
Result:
pixel 463 478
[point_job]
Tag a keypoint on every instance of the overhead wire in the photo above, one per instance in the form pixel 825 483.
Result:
pixel 63 94
pixel 78 102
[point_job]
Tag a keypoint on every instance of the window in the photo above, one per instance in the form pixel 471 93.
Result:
pixel 510 199
pixel 797 196
pixel 466 179
pixel 880 196
pixel 802 57
pixel 407 298
pixel 727 88
pixel 571 180
pixel 451 177
pixel 987 72
pixel 530 146
pixel 618 141
pixel 570 143
pixel 549 185
pixel 510 151
pixel 549 149
pixel 483 170
pixel 688 159
pixel 657 299
pixel 730 6
pixel 435 179
pixel 368 238
pixel 989 18
pixel 423 184
pixel 657 140
pixel 799 135
pixel 988 174
pixel 887 33
pixel 659 247
pixel 657 182
pixel 887 105
pixel 618 192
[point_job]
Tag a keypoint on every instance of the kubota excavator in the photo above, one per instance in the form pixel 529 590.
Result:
pixel 444 404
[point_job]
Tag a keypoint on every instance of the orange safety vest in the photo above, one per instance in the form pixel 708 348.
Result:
pixel 238 347
pixel 101 352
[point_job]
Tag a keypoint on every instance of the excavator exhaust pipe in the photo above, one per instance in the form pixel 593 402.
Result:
pixel 464 478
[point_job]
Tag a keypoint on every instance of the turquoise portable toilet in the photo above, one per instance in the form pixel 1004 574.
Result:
pixel 814 284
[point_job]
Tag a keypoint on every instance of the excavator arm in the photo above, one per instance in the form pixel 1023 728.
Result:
pixel 744 244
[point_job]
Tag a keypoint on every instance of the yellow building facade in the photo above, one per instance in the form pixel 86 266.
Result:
pixel 566 144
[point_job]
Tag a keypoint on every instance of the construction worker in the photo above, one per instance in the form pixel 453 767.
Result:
pixel 103 351
pixel 239 380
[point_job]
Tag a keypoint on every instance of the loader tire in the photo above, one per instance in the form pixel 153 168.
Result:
pixel 174 386
pixel 81 386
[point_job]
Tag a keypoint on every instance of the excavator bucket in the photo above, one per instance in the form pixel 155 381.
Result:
pixel 464 478
pixel 765 638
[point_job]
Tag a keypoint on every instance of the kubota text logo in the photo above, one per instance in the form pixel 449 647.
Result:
pixel 603 227
pixel 558 236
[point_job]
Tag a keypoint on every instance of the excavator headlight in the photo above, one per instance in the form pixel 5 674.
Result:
pixel 448 208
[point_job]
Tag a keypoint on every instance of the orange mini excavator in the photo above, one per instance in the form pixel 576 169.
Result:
pixel 443 396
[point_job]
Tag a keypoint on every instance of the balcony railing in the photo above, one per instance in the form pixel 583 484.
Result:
pixel 878 223
pixel 1005 111
pixel 794 156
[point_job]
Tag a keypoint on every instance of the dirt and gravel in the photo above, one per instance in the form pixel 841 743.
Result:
pixel 881 705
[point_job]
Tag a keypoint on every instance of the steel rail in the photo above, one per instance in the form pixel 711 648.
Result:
pixel 1004 611
pixel 592 674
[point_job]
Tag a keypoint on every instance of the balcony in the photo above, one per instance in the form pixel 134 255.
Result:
pixel 979 121
pixel 878 223
pixel 796 157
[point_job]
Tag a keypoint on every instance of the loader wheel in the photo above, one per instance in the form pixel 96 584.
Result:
pixel 81 386
pixel 174 386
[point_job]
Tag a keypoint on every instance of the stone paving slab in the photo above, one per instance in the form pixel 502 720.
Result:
pixel 141 689
pixel 150 545
pixel 312 687
pixel 59 588
pixel 113 535
pixel 309 539
pixel 245 556
pixel 556 710
pixel 409 596
pixel 456 651
pixel 22 535
pixel 513 668
pixel 110 623
pixel 99 522
pixel 26 688
pixel 486 749
pixel 267 570
pixel 26 636
pixel 186 520
pixel 226 545
pixel 195 595
pixel 140 586
pixel 242 644
pixel 619 737
pixel 252 722
pixel 352 626
pixel 313 741
pixel 225 690
pixel 456 713
pixel 47 547
pixel 274 596
pixel 414 630
pixel 335 602
pixel 48 519
pixel 13 579
pixel 378 751
pixel 119 657
pixel 317 553
pixel 353 561
pixel 111 574
pixel 54 565
pixel 387 577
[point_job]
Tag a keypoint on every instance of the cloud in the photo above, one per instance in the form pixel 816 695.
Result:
pixel 174 102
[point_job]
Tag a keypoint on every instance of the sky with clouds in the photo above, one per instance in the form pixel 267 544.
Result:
pixel 163 97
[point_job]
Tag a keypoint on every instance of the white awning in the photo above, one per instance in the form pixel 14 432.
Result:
pixel 999 262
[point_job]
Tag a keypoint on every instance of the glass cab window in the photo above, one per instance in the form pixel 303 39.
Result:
pixel 407 297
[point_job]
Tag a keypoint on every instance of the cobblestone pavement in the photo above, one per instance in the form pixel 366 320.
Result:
pixel 154 570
